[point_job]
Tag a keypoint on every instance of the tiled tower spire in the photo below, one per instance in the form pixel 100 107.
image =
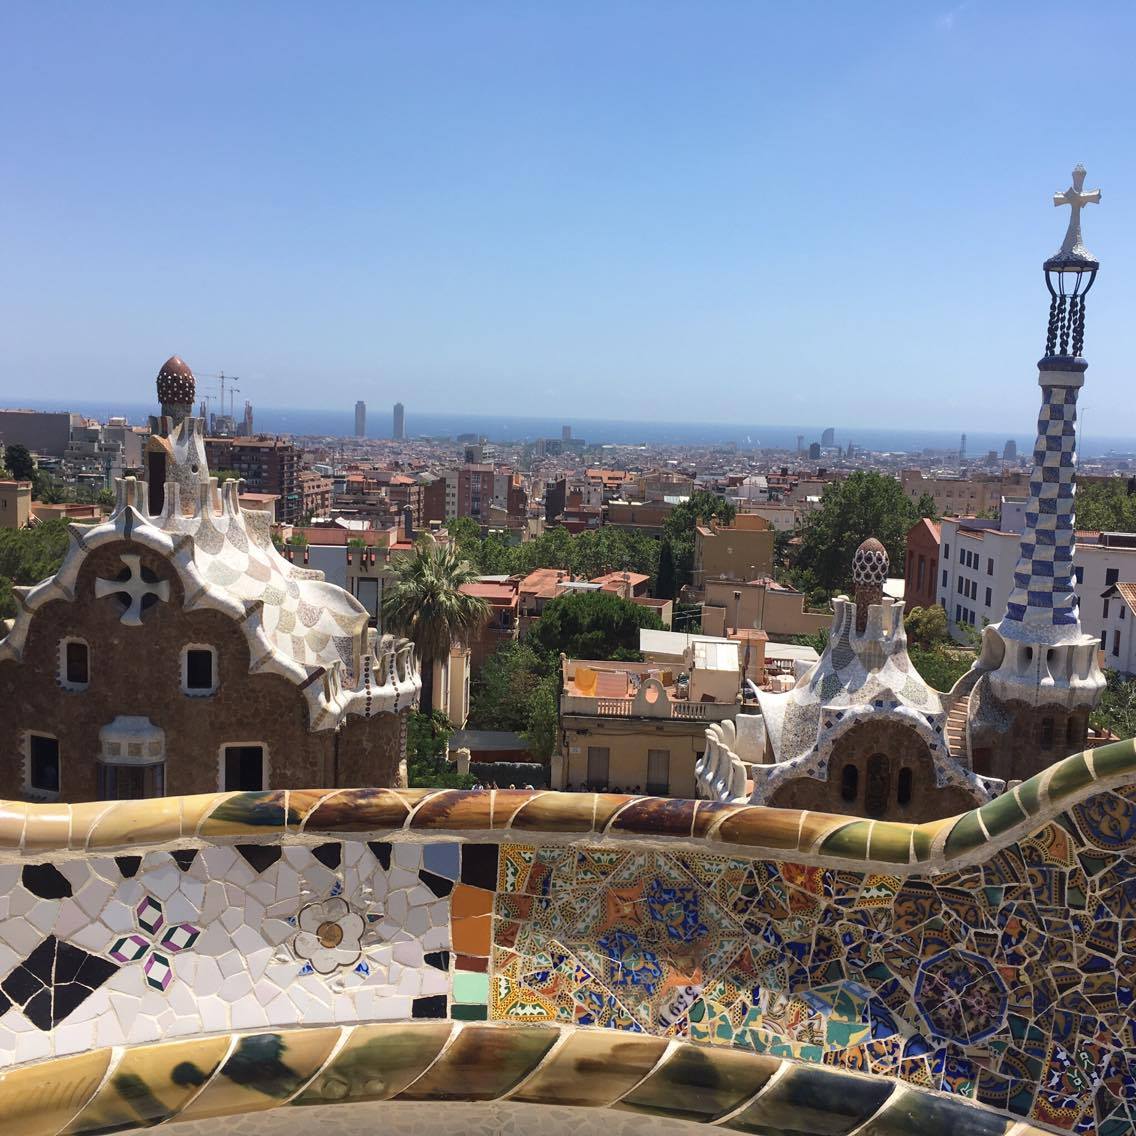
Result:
pixel 1037 678
pixel 1042 605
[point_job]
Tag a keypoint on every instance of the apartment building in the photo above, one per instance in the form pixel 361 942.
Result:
pixel 268 465
pixel 965 496
pixel 741 551
pixel 921 565
pixel 976 573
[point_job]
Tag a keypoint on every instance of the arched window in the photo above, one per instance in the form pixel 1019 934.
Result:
pixel 903 787
pixel 850 783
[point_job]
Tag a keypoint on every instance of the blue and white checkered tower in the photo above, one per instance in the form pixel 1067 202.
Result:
pixel 1037 656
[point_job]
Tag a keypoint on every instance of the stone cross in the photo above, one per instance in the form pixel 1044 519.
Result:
pixel 1076 198
pixel 135 588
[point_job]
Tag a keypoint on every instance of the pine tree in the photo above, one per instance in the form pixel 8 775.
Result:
pixel 665 579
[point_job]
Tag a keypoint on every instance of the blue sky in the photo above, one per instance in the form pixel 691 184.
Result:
pixel 715 210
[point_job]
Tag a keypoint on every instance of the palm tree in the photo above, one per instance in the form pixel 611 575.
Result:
pixel 425 603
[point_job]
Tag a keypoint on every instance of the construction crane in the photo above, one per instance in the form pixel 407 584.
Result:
pixel 233 389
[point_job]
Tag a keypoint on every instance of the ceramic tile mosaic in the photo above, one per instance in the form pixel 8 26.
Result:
pixel 988 958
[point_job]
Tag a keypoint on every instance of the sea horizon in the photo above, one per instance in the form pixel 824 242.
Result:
pixel 513 429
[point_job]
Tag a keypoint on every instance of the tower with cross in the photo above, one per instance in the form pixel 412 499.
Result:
pixel 1037 677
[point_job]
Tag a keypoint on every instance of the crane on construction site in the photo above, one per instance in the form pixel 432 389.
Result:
pixel 231 381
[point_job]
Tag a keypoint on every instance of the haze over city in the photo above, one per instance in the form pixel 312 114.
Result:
pixel 641 211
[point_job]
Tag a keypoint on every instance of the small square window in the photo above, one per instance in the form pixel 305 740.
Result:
pixel 1111 575
pixel 199 670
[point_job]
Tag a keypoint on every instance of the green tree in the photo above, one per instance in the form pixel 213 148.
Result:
pixel 427 736
pixel 862 505
pixel 504 687
pixel 926 626
pixel 1116 710
pixel 1106 508
pixel 28 556
pixel 464 531
pixel 925 507
pixel 941 666
pixel 424 602
pixel 679 528
pixel 19 462
pixel 665 578
pixel 593 625
pixel 543 729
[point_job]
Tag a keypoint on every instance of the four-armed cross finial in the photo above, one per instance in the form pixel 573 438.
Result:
pixel 1076 197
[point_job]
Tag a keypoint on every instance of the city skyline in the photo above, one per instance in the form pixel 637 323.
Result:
pixel 850 225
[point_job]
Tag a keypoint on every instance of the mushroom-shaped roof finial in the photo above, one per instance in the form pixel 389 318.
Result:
pixel 176 385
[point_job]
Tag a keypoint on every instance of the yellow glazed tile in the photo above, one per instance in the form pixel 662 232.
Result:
pixel 84 818
pixel 13 815
pixel 138 822
pixel 149 1084
pixel 39 1100
pixel 196 808
pixel 48 827
pixel 262 1071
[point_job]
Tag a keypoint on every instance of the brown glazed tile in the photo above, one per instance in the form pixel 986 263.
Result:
pixel 483 1063
pixel 40 1100
pixel 506 802
pixel 262 1071
pixel 592 1069
pixel 13 816
pixel 377 1061
pixel 658 816
pixel 471 963
pixel 607 805
pixel 150 1084
pixel 301 802
pixel 710 813
pixel 555 812
pixel 358 810
pixel 154 821
pixel 455 809
pixel 48 827
pixel 701 1083
pixel 757 826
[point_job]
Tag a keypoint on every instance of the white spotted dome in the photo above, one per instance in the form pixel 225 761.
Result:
pixel 870 564
pixel 175 383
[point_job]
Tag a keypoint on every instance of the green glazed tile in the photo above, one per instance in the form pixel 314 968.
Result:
pixel 471 988
pixel 469 1013
pixel 1116 757
pixel 1001 813
pixel 891 843
pixel 1069 776
pixel 701 1083
pixel 850 841
pixel 913 1113
pixel 245 811
pixel 813 1100
pixel 966 835
pixel 1029 793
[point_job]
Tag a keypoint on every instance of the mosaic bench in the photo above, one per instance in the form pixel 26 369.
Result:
pixel 351 958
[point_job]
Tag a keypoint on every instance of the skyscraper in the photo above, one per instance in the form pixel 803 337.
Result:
pixel 566 433
pixel 828 437
pixel 1010 451
pixel 399 431
pixel 360 419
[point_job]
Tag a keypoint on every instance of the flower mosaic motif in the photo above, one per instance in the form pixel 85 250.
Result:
pixel 154 941
pixel 331 937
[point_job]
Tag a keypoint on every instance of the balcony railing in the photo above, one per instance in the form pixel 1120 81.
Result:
pixel 674 709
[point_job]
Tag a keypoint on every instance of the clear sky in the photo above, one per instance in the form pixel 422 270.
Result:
pixel 707 210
